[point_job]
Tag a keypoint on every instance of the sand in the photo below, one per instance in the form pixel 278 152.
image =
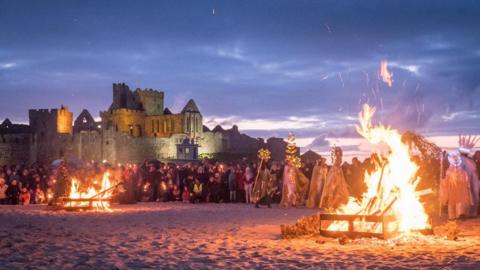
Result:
pixel 207 236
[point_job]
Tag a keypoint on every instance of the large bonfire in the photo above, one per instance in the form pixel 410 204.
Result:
pixel 391 187
pixel 93 197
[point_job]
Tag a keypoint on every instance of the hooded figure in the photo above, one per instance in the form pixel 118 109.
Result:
pixel 466 144
pixel 289 189
pixel 295 186
pixel 455 188
pixel 335 191
pixel 262 191
pixel 319 175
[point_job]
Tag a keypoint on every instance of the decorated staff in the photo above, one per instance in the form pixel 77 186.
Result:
pixel 295 184
pixel 263 179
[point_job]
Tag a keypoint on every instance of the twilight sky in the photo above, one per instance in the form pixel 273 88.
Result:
pixel 267 66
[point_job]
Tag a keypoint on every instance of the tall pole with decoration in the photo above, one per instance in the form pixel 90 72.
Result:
pixel 291 151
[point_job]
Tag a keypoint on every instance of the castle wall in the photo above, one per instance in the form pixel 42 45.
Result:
pixel 164 125
pixel 125 120
pixel 213 142
pixel 14 149
pixel 87 145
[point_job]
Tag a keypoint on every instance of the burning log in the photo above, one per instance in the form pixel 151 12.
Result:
pixel 389 206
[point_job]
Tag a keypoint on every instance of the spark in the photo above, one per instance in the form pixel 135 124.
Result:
pixel 341 79
pixel 386 75
pixel 373 92
pixel 324 77
pixel 328 28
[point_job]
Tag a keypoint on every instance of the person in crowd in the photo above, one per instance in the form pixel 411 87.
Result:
pixel 153 180
pixel 13 192
pixel 249 181
pixel 3 191
pixel 319 176
pixel 213 189
pixel 240 185
pixel 232 184
pixel 262 190
pixel 185 195
pixel 62 183
pixel 197 191
pixel 175 193
pixel 24 197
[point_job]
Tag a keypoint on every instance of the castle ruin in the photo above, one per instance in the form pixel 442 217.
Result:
pixel 134 128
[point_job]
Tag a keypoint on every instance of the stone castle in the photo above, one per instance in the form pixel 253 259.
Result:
pixel 135 127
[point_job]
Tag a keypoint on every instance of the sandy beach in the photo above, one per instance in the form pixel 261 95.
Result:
pixel 207 236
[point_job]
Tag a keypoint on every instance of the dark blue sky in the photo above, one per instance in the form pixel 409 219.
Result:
pixel 270 66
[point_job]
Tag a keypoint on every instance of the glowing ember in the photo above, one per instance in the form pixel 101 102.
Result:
pixel 390 187
pixel 386 75
pixel 97 198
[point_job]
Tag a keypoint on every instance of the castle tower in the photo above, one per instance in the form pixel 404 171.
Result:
pixel 52 133
pixel 123 98
pixel 151 100
pixel 64 121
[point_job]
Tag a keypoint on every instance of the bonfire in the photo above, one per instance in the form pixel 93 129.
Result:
pixel 391 205
pixel 92 198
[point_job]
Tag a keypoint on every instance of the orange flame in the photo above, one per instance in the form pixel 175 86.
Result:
pixel 100 202
pixel 390 187
pixel 386 75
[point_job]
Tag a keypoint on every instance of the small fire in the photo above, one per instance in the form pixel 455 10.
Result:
pixel 99 197
pixel 386 75
pixel 390 187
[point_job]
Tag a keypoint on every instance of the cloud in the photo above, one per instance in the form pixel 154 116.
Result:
pixel 8 65
pixel 289 123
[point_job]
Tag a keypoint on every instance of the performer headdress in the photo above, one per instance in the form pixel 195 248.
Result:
pixel 454 159
pixel 336 153
pixel 467 143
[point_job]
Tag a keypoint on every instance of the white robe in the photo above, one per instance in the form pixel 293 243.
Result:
pixel 319 176
pixel 289 195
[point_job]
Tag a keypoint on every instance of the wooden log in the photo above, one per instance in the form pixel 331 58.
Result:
pixel 106 190
pixel 389 206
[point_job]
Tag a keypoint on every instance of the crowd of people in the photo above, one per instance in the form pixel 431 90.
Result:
pixel 314 184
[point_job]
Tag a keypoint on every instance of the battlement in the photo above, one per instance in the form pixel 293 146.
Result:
pixel 33 112
pixel 125 110
pixel 149 92
pixel 119 86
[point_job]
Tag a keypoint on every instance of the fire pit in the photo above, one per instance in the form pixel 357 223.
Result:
pixel 356 221
pixel 98 199
pixel 71 204
pixel 351 231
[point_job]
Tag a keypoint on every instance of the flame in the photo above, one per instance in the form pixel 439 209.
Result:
pixel 386 75
pixel 390 187
pixel 100 203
